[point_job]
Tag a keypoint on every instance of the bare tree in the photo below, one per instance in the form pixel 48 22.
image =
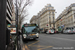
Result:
pixel 22 11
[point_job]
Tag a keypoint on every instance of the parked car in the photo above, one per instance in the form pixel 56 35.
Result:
pixel 69 31
pixel 50 31
pixel 65 31
pixel 74 30
pixel 47 32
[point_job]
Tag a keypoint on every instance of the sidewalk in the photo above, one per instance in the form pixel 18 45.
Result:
pixel 11 46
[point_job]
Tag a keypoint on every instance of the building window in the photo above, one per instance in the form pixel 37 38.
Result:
pixel 50 25
pixel 49 16
pixel 49 12
pixel 52 12
pixel 74 16
pixel 53 16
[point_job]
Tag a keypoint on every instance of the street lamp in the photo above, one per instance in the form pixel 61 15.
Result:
pixel 53 20
pixel 49 19
pixel 17 24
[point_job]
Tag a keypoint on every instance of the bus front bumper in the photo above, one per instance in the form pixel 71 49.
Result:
pixel 30 37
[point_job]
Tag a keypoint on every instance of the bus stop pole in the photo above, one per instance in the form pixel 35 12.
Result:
pixel 2 24
pixel 17 24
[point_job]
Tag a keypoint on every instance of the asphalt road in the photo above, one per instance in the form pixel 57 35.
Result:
pixel 51 42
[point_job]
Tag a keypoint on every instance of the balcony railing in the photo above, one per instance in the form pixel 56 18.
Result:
pixel 9 7
pixel 9 4
pixel 8 13
pixel 8 19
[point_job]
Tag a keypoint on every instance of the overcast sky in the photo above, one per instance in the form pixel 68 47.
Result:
pixel 38 5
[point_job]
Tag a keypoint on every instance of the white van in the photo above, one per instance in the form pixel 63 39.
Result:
pixel 50 31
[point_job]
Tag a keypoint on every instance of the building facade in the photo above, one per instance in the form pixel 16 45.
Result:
pixel 45 18
pixel 67 17
pixel 33 19
pixel 9 12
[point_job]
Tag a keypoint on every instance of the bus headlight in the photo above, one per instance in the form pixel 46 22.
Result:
pixel 37 34
pixel 24 35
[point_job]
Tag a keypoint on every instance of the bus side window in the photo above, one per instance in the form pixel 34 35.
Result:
pixel 24 31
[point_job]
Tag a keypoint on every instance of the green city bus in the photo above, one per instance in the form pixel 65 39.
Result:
pixel 30 31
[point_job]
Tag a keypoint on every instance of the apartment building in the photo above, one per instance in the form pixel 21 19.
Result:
pixel 9 12
pixel 45 18
pixel 67 17
pixel 33 19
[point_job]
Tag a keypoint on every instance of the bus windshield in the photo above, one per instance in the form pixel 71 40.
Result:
pixel 30 29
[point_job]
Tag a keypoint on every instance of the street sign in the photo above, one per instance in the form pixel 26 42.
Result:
pixel 12 30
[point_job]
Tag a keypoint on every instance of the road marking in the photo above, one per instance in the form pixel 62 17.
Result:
pixel 44 48
pixel 41 47
pixel 26 47
pixel 23 48
pixel 63 38
pixel 33 43
pixel 38 46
